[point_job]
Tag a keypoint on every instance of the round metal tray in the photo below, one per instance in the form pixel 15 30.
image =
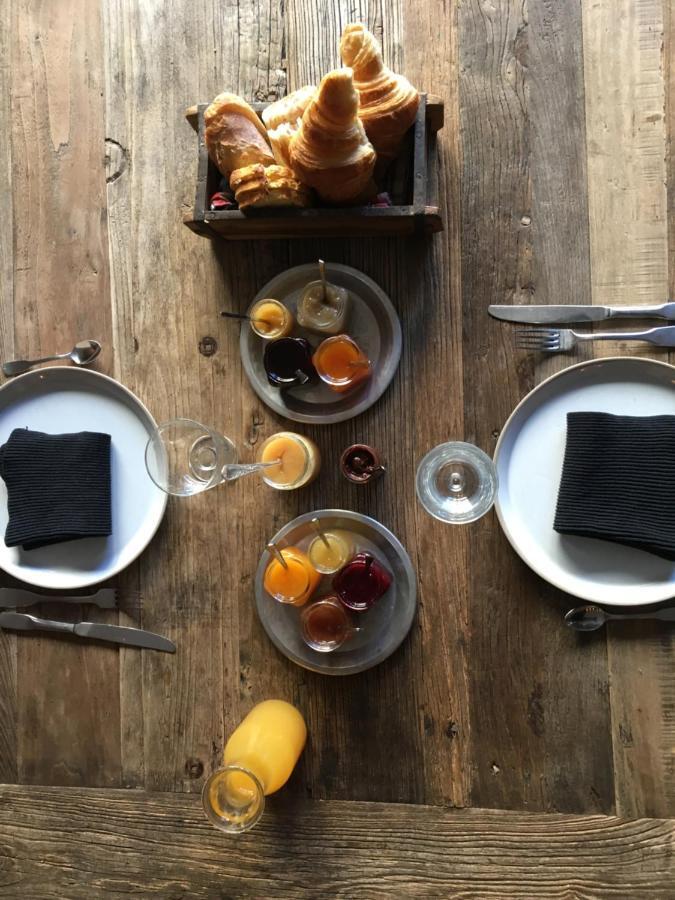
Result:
pixel 383 627
pixel 372 322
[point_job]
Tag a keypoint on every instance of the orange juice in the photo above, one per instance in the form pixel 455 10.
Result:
pixel 259 758
pixel 270 319
pixel 268 742
pixel 299 460
pixel 293 583
pixel 341 363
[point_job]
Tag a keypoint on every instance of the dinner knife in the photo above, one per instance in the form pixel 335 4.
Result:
pixel 560 315
pixel 117 634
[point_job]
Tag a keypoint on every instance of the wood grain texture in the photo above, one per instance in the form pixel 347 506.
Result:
pixel 627 123
pixel 489 702
pixel 432 317
pixel 314 30
pixel 346 717
pixel 84 843
pixel 642 695
pixel 624 95
pixel 525 712
pixel 68 729
pixel 8 711
pixel 180 362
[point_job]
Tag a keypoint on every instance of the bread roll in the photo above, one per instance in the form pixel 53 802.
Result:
pixel 258 185
pixel 235 136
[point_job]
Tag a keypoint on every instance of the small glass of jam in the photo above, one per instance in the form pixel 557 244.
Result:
pixel 323 306
pixel 362 582
pixel 361 464
pixel 341 363
pixel 326 625
pixel 271 320
pixel 288 362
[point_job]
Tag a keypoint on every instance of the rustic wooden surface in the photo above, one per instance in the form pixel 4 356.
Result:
pixel 556 185
pixel 159 845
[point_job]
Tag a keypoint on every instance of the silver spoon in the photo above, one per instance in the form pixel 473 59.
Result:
pixel 234 471
pixel 82 354
pixel 590 618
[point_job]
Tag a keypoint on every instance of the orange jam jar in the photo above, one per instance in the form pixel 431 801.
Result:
pixel 293 581
pixel 341 364
pixel 271 320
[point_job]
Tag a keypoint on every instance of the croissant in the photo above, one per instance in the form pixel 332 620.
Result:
pixel 234 134
pixel 330 151
pixel 282 119
pixel 388 102
pixel 259 185
pixel 280 139
pixel 289 109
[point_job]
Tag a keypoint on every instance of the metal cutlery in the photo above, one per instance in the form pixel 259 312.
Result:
pixel 82 354
pixel 590 618
pixel 116 634
pixel 105 598
pixel 558 315
pixel 559 340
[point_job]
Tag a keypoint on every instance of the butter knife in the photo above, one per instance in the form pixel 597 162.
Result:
pixel 560 315
pixel 117 634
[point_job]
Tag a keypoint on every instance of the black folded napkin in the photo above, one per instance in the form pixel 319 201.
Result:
pixel 58 487
pixel 618 481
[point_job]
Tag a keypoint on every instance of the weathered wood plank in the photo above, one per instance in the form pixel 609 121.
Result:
pixel 68 696
pixel 168 289
pixel 84 843
pixel 8 746
pixel 347 718
pixel 432 316
pixel 642 694
pixel 515 71
pixel 6 197
pixel 314 29
pixel 624 90
pixel 642 655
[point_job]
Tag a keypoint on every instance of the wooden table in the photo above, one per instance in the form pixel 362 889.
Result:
pixel 556 184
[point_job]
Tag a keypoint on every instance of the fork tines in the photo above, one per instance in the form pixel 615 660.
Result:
pixel 538 338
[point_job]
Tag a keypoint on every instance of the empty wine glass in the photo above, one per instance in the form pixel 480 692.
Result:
pixel 456 482
pixel 184 458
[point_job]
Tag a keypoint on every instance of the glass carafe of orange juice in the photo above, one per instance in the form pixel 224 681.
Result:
pixel 259 758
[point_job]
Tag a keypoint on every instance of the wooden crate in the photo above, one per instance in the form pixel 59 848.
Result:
pixel 411 182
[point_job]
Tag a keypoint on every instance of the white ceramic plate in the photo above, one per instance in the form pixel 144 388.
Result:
pixel 372 322
pixel 59 400
pixel 384 627
pixel 529 457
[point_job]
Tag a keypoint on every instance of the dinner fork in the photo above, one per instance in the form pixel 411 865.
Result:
pixel 104 598
pixel 559 340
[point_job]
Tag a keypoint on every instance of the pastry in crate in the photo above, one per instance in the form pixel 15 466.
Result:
pixel 387 101
pixel 257 186
pixel 330 151
pixel 282 119
pixel 234 135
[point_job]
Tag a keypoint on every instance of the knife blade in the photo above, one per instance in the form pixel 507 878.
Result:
pixel 560 315
pixel 116 634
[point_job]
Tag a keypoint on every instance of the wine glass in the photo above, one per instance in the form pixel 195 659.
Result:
pixel 184 457
pixel 456 482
